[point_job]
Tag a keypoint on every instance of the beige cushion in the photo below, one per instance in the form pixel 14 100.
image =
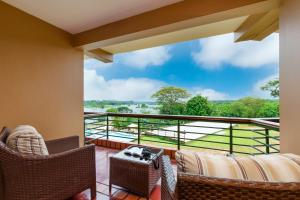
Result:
pixel 26 140
pixel 273 168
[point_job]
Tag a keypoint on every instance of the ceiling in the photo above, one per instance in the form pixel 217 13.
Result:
pixel 75 16
pixel 103 28
pixel 221 27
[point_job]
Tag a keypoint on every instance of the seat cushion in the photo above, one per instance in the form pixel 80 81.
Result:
pixel 272 168
pixel 27 141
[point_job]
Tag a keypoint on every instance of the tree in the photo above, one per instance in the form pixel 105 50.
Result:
pixel 198 105
pixel 171 99
pixel 247 107
pixel 170 95
pixel 121 109
pixel 223 109
pixel 173 109
pixel 269 109
pixel 144 105
pixel 120 122
pixel 273 87
pixel 112 110
pixel 124 109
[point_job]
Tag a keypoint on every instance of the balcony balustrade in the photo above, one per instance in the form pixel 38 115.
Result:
pixel 244 136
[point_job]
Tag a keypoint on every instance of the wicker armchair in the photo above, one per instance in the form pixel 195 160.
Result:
pixel 68 170
pixel 188 186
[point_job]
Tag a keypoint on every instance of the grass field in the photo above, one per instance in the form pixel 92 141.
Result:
pixel 214 141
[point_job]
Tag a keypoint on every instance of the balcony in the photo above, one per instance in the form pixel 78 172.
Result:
pixel 115 131
pixel 43 47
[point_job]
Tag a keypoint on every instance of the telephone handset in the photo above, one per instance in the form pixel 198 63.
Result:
pixel 146 154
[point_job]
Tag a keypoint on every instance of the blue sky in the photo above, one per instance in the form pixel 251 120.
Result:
pixel 215 67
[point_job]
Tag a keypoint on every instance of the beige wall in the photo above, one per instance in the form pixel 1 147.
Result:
pixel 290 76
pixel 41 76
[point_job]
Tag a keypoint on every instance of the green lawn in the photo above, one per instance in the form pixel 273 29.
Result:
pixel 214 139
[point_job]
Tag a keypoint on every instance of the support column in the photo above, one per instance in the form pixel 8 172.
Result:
pixel 290 76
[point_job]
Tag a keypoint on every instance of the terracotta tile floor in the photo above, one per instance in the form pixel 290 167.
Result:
pixel 102 173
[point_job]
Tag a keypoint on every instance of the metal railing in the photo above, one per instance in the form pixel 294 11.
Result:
pixel 232 135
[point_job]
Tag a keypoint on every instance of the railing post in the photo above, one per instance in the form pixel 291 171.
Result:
pixel 139 132
pixel 107 126
pixel 178 134
pixel 267 141
pixel 230 139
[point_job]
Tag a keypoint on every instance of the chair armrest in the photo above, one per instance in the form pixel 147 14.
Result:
pixel 55 176
pixel 192 186
pixel 168 181
pixel 62 144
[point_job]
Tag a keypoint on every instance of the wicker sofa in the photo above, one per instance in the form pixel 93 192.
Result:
pixel 68 170
pixel 190 186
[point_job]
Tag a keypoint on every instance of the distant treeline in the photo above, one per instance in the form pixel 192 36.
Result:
pixel 102 103
pixel 246 107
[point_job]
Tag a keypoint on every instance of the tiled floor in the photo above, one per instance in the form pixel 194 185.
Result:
pixel 102 173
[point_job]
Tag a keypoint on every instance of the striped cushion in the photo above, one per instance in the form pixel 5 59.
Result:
pixel 273 168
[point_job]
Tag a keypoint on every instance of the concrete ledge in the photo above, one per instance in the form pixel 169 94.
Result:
pixel 122 145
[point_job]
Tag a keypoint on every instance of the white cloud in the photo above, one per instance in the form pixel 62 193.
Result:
pixel 97 88
pixel 211 94
pixel 258 92
pixel 138 89
pixel 140 59
pixel 218 50
pixel 91 63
